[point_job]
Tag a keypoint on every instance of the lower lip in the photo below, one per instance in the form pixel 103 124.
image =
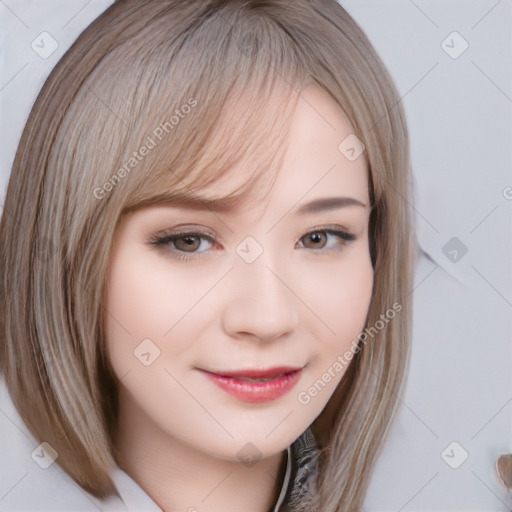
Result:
pixel 256 391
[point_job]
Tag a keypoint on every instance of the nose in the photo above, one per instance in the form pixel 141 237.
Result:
pixel 260 303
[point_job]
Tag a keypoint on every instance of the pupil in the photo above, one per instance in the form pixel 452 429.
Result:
pixel 315 238
pixel 188 242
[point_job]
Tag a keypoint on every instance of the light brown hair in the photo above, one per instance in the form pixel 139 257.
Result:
pixel 125 76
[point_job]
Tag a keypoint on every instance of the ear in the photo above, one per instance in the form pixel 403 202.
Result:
pixel 504 469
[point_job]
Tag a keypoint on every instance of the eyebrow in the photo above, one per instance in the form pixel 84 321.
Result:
pixel 327 203
pixel 220 203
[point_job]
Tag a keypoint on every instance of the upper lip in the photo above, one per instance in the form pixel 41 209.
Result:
pixel 256 373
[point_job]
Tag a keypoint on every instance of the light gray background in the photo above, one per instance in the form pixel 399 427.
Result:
pixel 459 112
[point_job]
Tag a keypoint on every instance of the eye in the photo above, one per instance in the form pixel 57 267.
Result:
pixel 185 244
pixel 189 242
pixel 318 237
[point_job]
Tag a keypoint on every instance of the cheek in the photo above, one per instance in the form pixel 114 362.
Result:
pixel 139 301
pixel 340 295
pixel 149 294
pixel 145 300
pixel 135 310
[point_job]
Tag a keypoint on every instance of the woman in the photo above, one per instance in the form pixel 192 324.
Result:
pixel 216 256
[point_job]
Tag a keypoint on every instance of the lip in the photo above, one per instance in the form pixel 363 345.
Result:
pixel 279 381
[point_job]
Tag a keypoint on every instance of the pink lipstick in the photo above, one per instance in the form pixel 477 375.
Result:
pixel 253 385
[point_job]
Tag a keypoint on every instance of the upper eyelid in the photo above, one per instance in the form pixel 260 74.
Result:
pixel 331 229
pixel 192 230
pixel 180 231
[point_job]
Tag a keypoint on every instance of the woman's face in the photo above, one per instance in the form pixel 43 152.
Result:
pixel 257 296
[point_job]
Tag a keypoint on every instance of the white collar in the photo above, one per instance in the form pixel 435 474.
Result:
pixel 286 480
pixel 132 494
pixel 137 500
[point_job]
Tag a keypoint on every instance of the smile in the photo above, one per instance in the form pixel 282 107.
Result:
pixel 256 385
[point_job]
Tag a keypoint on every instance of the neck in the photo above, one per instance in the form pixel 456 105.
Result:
pixel 180 478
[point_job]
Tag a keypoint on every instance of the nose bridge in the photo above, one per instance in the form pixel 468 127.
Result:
pixel 259 302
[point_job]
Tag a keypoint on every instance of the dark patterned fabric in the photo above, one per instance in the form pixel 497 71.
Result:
pixel 301 488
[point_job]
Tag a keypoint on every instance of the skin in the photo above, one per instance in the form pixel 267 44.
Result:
pixel 179 434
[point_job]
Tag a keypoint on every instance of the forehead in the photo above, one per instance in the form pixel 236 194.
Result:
pixel 312 163
pixel 304 165
pixel 314 156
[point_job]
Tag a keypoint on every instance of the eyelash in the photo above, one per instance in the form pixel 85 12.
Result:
pixel 159 240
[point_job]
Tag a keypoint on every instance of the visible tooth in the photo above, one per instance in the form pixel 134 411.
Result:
pixel 257 379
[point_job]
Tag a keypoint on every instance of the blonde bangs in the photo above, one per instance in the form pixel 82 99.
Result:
pixel 230 106
pixel 207 148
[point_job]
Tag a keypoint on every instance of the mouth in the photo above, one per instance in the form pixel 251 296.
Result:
pixel 256 385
